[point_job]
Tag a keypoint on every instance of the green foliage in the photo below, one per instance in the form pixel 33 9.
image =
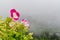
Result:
pixel 10 30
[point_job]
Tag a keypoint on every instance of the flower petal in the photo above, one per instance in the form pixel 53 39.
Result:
pixel 14 14
pixel 25 22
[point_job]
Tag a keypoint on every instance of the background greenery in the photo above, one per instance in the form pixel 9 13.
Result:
pixel 46 36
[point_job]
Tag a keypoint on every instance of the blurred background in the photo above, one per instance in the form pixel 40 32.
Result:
pixel 44 15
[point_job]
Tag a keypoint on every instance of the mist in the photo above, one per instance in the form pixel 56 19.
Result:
pixel 44 15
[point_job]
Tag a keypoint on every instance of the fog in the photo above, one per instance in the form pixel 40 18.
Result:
pixel 44 15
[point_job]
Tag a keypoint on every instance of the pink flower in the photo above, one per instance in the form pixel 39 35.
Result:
pixel 25 22
pixel 14 14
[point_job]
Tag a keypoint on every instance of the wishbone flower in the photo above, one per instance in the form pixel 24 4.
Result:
pixel 25 22
pixel 14 14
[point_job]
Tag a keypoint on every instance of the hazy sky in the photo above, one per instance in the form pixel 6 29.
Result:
pixel 43 14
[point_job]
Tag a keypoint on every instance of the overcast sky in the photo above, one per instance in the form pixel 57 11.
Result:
pixel 43 14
